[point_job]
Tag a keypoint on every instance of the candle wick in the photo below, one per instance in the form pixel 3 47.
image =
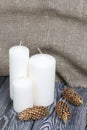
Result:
pixel 20 43
pixel 39 50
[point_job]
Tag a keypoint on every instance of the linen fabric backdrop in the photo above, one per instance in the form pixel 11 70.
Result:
pixel 57 27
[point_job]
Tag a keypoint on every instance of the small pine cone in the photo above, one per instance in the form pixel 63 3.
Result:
pixel 73 97
pixel 63 111
pixel 34 113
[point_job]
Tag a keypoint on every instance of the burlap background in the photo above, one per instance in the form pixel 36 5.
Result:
pixel 58 27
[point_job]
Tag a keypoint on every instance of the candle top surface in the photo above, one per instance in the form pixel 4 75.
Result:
pixel 22 81
pixel 18 49
pixel 42 59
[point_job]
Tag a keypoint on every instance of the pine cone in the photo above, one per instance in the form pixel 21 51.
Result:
pixel 73 97
pixel 63 111
pixel 34 113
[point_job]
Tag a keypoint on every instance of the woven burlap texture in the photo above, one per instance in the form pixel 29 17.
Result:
pixel 57 27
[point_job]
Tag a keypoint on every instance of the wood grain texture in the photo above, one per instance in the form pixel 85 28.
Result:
pixel 10 121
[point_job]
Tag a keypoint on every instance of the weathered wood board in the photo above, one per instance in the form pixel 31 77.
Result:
pixel 10 121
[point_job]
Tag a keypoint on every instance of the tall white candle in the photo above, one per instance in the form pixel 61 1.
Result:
pixel 18 63
pixel 42 71
pixel 23 94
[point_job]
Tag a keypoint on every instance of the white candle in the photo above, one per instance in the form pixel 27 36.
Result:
pixel 18 63
pixel 42 71
pixel 23 94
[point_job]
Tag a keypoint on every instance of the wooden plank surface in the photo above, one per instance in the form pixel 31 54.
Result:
pixel 10 121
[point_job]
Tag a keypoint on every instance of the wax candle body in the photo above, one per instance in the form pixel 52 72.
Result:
pixel 18 63
pixel 42 71
pixel 23 94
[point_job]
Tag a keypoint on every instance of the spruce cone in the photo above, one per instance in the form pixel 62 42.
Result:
pixel 63 111
pixel 34 113
pixel 73 97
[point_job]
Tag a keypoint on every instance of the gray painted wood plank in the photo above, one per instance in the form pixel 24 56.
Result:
pixel 4 96
pixel 2 79
pixel 10 121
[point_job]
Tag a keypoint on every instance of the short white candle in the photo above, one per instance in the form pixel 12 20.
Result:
pixel 18 63
pixel 23 94
pixel 42 71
